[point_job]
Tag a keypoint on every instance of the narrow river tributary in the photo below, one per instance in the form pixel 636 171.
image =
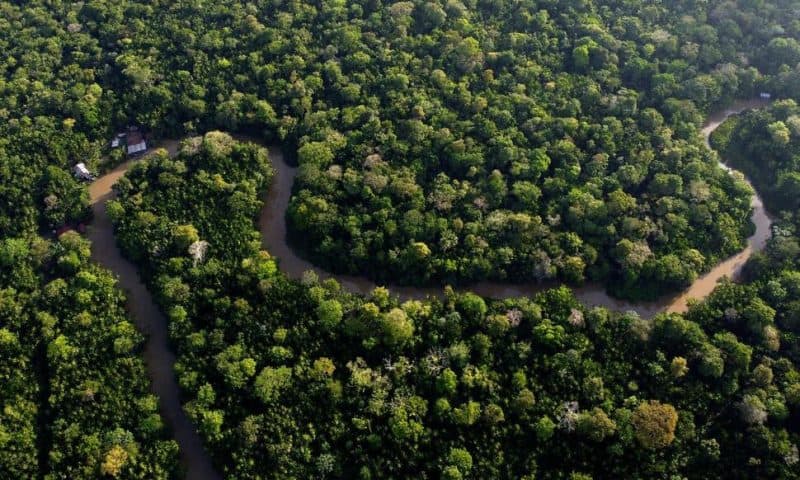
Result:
pixel 149 319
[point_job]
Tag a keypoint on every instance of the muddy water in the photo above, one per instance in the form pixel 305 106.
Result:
pixel 273 231
pixel 731 267
pixel 150 321
pixel 273 234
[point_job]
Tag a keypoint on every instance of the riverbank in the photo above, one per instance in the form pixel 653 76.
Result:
pixel 150 321
pixel 273 233
pixel 160 360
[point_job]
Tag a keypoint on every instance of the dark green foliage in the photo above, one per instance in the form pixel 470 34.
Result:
pixel 438 140
pixel 74 385
pixel 441 140
pixel 527 158
pixel 766 145
pixel 212 170
pixel 20 392
pixel 304 380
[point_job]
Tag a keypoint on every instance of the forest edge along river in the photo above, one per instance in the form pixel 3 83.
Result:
pixel 150 321
pixel 273 231
pixel 160 360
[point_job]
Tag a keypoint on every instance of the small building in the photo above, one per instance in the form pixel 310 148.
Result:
pixel 119 140
pixel 83 173
pixel 765 95
pixel 131 140
pixel 136 143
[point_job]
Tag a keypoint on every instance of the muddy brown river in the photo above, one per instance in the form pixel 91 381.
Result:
pixel 273 232
pixel 148 318
pixel 150 321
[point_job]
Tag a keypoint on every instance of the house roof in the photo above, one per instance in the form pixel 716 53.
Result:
pixel 135 137
pixel 136 147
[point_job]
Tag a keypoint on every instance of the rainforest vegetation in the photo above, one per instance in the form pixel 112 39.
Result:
pixel 437 142
pixel 765 145
pixel 75 396
pixel 301 379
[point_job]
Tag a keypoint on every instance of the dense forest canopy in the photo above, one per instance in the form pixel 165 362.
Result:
pixel 75 396
pixel 766 145
pixel 460 142
pixel 299 380
pixel 438 141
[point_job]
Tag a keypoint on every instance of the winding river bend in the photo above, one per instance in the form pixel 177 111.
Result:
pixel 160 360
pixel 273 233
pixel 150 321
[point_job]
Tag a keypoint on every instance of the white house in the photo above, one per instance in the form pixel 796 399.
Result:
pixel 136 143
pixel 83 173
pixel 134 148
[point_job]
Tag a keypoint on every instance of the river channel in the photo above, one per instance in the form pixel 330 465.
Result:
pixel 148 318
pixel 273 231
